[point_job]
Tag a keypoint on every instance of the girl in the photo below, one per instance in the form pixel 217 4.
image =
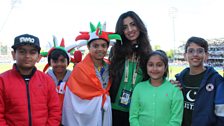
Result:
pixel 156 101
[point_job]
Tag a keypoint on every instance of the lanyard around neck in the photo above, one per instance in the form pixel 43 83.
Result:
pixel 134 76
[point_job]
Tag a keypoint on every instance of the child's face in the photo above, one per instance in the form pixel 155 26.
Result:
pixel 26 57
pixel 195 55
pixel 59 65
pixel 131 30
pixel 98 49
pixel 156 67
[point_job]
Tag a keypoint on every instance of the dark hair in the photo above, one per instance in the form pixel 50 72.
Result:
pixel 120 51
pixel 55 54
pixel 143 39
pixel 88 44
pixel 163 57
pixel 197 40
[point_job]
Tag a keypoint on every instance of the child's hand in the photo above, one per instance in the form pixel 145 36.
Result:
pixel 176 83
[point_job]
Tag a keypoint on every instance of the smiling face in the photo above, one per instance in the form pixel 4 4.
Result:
pixel 59 65
pixel 26 57
pixel 131 31
pixel 156 68
pixel 98 49
pixel 195 55
pixel 58 59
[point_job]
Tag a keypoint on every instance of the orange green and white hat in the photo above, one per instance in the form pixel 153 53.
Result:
pixel 97 32
pixel 67 50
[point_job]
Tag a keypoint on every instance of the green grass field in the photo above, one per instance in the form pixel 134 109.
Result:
pixel 40 66
pixel 172 69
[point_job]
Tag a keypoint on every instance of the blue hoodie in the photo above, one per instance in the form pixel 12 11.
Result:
pixel 209 103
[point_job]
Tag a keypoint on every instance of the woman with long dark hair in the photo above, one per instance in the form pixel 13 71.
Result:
pixel 127 57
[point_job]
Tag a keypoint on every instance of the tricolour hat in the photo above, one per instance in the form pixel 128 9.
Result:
pixel 55 47
pixel 26 39
pixel 97 33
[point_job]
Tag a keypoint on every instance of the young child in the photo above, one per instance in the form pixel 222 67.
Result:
pixel 27 95
pixel 203 87
pixel 58 59
pixel 87 100
pixel 156 101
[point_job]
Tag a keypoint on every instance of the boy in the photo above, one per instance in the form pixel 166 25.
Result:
pixel 27 96
pixel 87 100
pixel 202 86
pixel 58 59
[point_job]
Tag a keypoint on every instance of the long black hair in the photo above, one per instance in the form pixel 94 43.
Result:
pixel 123 49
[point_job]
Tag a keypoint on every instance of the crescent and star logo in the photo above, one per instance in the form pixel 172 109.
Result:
pixel 189 94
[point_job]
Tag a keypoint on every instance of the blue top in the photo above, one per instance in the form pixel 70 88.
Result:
pixel 209 102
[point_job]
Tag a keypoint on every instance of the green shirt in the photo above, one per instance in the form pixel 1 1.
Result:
pixel 127 85
pixel 156 106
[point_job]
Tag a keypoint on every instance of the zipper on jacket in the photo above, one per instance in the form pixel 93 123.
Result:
pixel 28 100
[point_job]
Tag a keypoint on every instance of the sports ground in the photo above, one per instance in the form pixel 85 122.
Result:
pixel 173 69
